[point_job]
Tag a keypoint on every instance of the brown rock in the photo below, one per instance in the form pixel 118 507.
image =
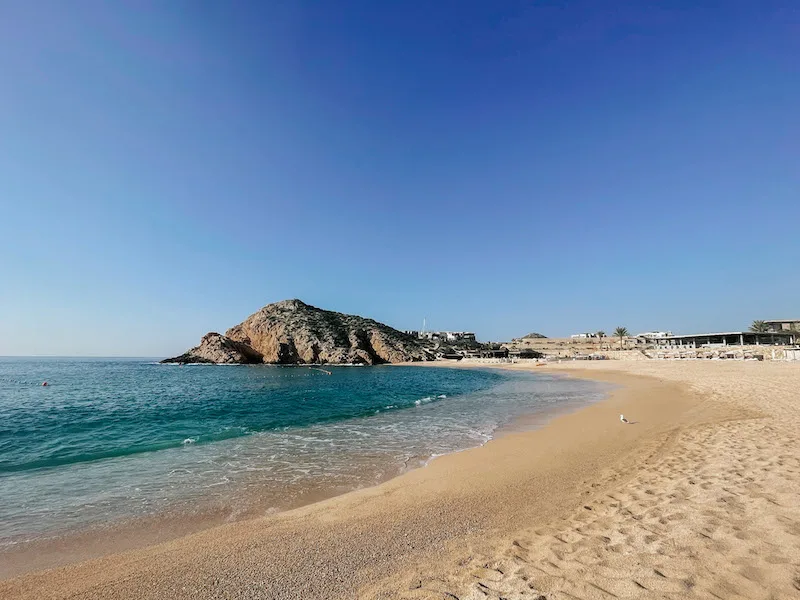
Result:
pixel 216 348
pixel 293 332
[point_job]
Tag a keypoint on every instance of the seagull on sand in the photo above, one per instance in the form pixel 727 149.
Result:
pixel 624 420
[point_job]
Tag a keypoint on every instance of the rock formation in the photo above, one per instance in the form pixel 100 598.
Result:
pixel 216 348
pixel 292 332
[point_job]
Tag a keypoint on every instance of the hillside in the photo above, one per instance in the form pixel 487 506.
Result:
pixel 293 332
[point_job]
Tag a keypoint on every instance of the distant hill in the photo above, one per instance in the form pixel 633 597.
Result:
pixel 534 335
pixel 293 332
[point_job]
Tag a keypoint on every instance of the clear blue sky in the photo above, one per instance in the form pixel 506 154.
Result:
pixel 166 168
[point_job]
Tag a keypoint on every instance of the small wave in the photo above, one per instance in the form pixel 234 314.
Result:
pixel 189 441
pixel 23 382
pixel 427 399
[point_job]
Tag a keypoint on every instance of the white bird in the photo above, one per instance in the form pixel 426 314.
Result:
pixel 624 420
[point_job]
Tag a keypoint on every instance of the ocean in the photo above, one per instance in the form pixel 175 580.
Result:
pixel 110 441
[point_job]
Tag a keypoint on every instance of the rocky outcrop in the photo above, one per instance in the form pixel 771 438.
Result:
pixel 216 348
pixel 293 332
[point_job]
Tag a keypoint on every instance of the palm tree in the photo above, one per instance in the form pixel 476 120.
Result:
pixel 759 326
pixel 600 335
pixel 621 333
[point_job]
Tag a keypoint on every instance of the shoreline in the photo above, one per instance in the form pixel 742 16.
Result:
pixel 404 495
pixel 696 499
pixel 99 540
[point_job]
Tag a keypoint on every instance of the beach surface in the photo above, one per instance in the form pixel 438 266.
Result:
pixel 697 498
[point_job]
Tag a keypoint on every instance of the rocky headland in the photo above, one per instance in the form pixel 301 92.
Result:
pixel 293 332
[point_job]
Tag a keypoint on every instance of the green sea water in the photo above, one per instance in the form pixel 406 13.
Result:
pixel 111 439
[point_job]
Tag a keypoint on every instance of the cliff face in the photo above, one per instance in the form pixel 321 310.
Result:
pixel 292 332
pixel 216 348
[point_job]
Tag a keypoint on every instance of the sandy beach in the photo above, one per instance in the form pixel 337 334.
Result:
pixel 698 498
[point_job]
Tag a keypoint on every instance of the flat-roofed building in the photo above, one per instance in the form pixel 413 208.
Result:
pixel 654 334
pixel 453 336
pixel 728 338
pixel 783 325
pixel 450 336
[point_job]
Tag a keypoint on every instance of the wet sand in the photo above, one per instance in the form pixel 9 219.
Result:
pixel 698 498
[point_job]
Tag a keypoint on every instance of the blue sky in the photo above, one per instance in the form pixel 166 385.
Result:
pixel 166 168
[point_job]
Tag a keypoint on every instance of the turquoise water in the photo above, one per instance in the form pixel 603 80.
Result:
pixel 112 439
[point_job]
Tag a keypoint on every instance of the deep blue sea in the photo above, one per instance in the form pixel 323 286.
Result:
pixel 110 440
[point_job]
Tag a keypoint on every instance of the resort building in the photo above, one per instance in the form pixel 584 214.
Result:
pixel 649 335
pixel 784 325
pixel 423 335
pixel 448 336
pixel 453 336
pixel 730 338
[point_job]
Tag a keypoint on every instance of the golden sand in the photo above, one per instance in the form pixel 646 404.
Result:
pixel 700 498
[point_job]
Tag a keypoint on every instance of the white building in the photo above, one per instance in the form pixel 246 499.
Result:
pixel 453 336
pixel 655 334
pixel 449 336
